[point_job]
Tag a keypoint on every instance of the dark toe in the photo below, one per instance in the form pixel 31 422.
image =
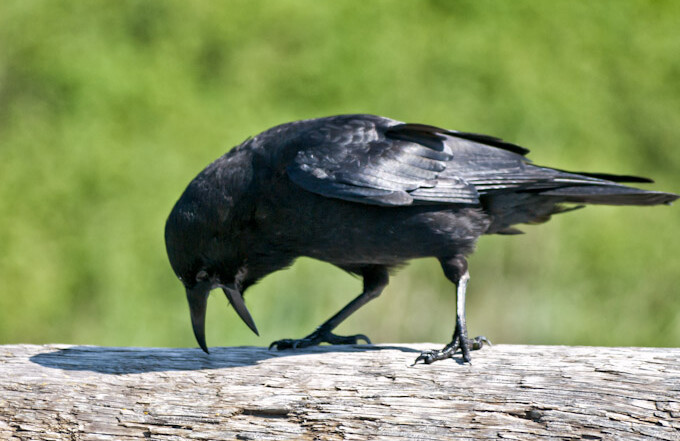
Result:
pixel 286 343
pixel 317 338
pixel 346 340
pixel 429 357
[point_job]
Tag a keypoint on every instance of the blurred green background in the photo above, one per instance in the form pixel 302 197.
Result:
pixel 109 108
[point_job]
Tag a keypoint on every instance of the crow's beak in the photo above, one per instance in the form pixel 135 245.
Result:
pixel 236 300
pixel 198 300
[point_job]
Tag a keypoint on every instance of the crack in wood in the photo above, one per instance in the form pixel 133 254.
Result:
pixel 532 414
pixel 271 412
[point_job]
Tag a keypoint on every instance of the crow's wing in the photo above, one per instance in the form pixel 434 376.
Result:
pixel 380 172
pixel 486 163
pixel 492 165
pixel 395 165
pixel 404 164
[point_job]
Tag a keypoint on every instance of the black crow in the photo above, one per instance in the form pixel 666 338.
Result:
pixel 367 194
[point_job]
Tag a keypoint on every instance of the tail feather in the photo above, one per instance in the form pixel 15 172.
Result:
pixel 547 195
pixel 610 195
pixel 613 178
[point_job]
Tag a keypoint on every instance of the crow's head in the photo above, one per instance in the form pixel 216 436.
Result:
pixel 202 257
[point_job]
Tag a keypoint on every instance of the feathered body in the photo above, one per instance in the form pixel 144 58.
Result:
pixel 365 192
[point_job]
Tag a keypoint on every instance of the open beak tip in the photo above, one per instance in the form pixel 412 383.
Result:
pixel 197 307
pixel 200 339
pixel 201 343
pixel 236 300
pixel 251 324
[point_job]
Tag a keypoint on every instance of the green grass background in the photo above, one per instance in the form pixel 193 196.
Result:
pixel 109 108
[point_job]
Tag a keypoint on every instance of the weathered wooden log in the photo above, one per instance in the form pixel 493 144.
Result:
pixel 340 392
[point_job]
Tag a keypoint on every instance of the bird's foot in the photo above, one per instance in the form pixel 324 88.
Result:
pixel 316 338
pixel 447 351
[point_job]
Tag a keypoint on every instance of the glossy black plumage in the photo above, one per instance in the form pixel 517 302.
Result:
pixel 365 193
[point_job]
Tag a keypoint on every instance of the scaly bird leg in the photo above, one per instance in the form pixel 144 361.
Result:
pixel 375 280
pixel 456 271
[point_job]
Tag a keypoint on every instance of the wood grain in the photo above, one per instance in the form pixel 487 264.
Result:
pixel 340 392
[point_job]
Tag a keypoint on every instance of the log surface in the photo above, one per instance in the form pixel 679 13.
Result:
pixel 340 392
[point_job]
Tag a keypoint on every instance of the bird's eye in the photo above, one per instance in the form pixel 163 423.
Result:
pixel 201 276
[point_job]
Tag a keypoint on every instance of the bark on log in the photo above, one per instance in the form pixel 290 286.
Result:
pixel 340 392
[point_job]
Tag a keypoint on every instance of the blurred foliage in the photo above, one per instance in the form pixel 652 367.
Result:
pixel 109 108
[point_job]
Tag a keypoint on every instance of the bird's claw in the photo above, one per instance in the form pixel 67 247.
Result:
pixel 479 342
pixel 429 357
pixel 316 338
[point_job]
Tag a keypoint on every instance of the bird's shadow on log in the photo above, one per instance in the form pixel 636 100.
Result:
pixel 120 361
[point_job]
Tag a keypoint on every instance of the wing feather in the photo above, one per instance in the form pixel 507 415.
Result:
pixel 381 171
pixel 378 161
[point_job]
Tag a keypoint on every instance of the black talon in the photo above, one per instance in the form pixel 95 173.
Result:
pixel 479 342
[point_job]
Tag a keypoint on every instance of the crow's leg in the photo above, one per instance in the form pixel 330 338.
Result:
pixel 375 280
pixel 456 271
